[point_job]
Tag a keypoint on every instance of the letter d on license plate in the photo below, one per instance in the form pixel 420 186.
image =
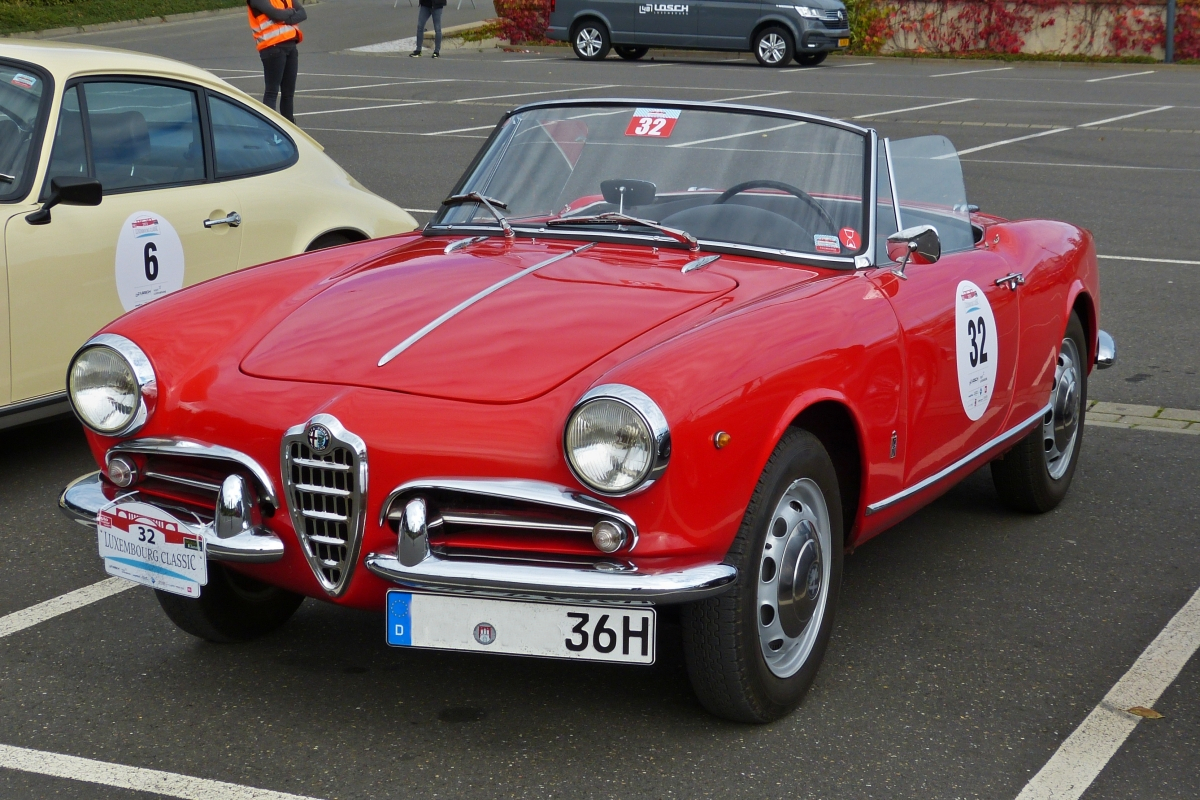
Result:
pixel 147 545
pixel 511 627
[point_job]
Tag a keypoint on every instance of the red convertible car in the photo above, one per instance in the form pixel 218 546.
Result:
pixel 649 359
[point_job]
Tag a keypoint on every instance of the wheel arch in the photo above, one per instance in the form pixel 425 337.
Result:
pixel 834 423
pixel 778 20
pixel 1085 307
pixel 352 234
pixel 584 16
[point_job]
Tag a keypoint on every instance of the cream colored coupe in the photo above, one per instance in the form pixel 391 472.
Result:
pixel 124 177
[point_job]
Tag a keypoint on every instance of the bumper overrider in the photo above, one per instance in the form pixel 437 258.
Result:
pixel 413 510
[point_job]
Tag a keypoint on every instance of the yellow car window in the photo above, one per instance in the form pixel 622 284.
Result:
pixel 68 158
pixel 245 143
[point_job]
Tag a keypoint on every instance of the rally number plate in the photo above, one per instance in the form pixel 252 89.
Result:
pixel 511 627
pixel 147 545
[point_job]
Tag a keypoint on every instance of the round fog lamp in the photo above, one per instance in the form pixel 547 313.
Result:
pixel 608 536
pixel 122 472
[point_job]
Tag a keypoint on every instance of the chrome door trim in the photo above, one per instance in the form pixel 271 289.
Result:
pixel 980 451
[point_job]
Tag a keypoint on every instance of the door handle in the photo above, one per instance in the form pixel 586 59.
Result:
pixel 1012 280
pixel 233 219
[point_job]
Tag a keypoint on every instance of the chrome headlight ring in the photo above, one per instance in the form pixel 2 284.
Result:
pixel 656 431
pixel 141 371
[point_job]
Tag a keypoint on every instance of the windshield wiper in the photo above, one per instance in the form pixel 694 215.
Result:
pixel 6 178
pixel 490 203
pixel 613 217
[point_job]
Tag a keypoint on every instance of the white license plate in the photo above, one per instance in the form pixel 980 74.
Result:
pixel 512 627
pixel 147 545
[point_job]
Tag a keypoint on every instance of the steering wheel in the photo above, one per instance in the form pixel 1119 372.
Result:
pixel 783 187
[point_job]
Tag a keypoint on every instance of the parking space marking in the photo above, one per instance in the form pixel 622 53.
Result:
pixel 138 779
pixel 1080 166
pixel 460 130
pixel 358 108
pixel 1077 762
pixel 1124 116
pixel 522 60
pixel 847 66
pixel 347 88
pixel 28 617
pixel 749 97
pixel 580 88
pixel 914 108
pixel 1118 77
pixel 1153 260
pixel 738 135
pixel 1003 142
pixel 395 133
pixel 970 72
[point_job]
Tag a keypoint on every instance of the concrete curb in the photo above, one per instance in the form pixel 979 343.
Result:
pixel 58 33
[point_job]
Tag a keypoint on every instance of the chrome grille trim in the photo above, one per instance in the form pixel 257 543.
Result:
pixel 326 495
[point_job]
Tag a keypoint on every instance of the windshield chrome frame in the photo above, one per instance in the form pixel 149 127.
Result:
pixel 866 257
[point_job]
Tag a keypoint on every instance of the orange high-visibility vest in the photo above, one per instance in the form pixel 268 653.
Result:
pixel 267 32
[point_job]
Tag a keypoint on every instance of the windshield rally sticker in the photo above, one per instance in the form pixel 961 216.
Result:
pixel 23 80
pixel 656 122
pixel 849 239
pixel 147 545
pixel 975 334
pixel 149 259
pixel 825 243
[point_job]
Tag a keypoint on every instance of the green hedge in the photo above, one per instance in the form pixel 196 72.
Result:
pixel 40 15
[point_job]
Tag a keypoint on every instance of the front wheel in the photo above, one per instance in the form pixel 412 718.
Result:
pixel 810 59
pixel 232 607
pixel 590 41
pixel 1034 476
pixel 773 47
pixel 630 53
pixel 753 652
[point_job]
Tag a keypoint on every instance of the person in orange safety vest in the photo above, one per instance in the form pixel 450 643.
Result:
pixel 274 24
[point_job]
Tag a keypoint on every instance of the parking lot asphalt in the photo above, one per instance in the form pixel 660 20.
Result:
pixel 970 640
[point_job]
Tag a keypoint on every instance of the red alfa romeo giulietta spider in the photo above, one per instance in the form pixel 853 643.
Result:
pixel 648 356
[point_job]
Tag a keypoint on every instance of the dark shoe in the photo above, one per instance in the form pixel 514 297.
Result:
pixel 415 54
pixel 436 54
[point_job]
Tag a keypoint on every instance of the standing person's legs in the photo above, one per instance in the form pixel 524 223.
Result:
pixel 423 13
pixel 273 60
pixel 437 30
pixel 288 83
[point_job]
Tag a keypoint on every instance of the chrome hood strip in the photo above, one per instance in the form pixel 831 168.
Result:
pixel 470 301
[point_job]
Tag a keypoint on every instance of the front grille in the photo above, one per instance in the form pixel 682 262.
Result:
pixel 834 19
pixel 325 473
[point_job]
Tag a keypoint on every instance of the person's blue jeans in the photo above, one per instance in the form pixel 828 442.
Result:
pixel 423 15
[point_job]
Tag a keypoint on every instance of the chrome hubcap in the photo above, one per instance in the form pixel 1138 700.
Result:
pixel 793 578
pixel 1060 427
pixel 588 42
pixel 771 48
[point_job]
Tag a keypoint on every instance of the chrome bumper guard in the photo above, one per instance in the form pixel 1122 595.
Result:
pixel 1106 350
pixel 83 498
pixel 603 582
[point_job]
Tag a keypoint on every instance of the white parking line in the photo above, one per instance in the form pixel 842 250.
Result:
pixel 526 94
pixel 1082 166
pixel 738 135
pixel 392 133
pixel 969 72
pixel 356 108
pixel 1077 762
pixel 1153 260
pixel 1118 77
pixel 460 130
pixel 914 108
pixel 1125 116
pixel 847 66
pixel 521 60
pixel 28 617
pixel 345 88
pixel 1006 141
pixel 748 97
pixel 137 779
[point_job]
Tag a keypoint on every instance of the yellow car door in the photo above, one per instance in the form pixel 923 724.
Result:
pixel 164 223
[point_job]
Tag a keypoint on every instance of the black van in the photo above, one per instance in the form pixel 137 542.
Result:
pixel 774 33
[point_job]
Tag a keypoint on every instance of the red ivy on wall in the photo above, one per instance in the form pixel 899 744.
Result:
pixel 523 20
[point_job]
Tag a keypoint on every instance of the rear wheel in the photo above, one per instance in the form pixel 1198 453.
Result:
pixel 589 40
pixel 231 608
pixel 1034 476
pixel 630 53
pixel 753 652
pixel 773 47
pixel 810 59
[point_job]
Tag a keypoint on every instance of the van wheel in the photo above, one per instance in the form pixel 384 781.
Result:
pixel 773 47
pixel 810 59
pixel 630 53
pixel 590 41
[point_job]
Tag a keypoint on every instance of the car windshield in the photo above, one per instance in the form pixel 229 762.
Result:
pixel 741 179
pixel 22 96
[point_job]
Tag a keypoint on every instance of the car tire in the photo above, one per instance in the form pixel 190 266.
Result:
pixel 1035 474
pixel 590 40
pixel 332 239
pixel 810 59
pixel 232 607
pixel 630 53
pixel 773 46
pixel 790 539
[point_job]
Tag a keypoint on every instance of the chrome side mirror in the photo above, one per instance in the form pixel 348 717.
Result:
pixel 920 242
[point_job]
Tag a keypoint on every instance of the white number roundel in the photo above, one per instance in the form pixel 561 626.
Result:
pixel 977 345
pixel 149 259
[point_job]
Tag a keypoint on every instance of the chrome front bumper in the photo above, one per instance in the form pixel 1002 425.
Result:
pixel 83 499
pixel 604 582
pixel 1106 350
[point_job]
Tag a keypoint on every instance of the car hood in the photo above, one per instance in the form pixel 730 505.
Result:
pixel 515 343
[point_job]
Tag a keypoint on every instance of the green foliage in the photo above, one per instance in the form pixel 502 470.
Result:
pixel 870 25
pixel 39 15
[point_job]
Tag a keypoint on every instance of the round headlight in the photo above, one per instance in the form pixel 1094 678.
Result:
pixel 110 384
pixel 616 440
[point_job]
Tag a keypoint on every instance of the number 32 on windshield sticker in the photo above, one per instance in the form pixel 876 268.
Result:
pixel 653 122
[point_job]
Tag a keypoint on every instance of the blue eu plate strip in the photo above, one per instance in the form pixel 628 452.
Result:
pixel 399 619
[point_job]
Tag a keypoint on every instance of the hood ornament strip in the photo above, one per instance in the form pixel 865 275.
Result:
pixel 465 304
